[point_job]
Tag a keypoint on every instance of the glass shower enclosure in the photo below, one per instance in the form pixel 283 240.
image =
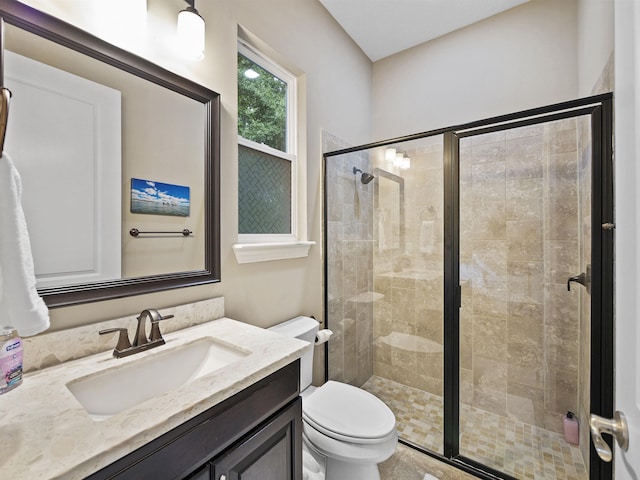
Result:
pixel 464 285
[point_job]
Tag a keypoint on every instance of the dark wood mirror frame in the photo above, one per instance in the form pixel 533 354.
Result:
pixel 60 32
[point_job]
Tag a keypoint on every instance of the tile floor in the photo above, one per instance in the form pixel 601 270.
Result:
pixel 507 445
pixel 409 464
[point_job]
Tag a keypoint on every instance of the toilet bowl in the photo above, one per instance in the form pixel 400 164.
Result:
pixel 351 429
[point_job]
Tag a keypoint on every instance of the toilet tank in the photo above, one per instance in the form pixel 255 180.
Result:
pixel 302 328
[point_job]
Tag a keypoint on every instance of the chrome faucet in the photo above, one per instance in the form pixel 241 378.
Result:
pixel 141 332
pixel 140 343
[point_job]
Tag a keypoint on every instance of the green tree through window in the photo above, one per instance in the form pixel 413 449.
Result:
pixel 262 105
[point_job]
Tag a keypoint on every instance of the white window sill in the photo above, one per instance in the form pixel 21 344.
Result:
pixel 264 252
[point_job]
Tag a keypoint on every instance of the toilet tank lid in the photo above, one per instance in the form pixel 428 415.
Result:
pixel 295 327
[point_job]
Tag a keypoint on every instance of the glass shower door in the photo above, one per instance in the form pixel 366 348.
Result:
pixel 468 290
pixel 525 229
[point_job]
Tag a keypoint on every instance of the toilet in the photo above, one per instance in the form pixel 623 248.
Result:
pixel 345 429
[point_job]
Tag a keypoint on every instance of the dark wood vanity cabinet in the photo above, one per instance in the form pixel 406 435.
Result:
pixel 256 434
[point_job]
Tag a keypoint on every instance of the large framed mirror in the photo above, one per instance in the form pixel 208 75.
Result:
pixel 119 160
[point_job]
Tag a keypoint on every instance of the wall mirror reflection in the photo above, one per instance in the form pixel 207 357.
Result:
pixel 389 207
pixel 107 143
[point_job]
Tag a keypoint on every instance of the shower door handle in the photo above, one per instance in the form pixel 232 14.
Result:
pixel 616 426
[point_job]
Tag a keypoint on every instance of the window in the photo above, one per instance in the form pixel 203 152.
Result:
pixel 268 162
pixel 263 102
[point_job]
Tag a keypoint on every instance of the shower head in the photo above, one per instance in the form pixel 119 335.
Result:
pixel 365 177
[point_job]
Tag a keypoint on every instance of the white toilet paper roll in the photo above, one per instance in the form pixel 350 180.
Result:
pixel 323 335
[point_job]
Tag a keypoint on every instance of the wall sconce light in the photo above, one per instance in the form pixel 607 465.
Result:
pixel 191 32
pixel 390 155
pixel 398 159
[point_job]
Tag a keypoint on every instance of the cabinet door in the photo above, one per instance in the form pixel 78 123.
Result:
pixel 272 452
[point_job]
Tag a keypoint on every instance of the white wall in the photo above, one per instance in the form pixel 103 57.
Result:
pixel 522 58
pixel 338 81
pixel 595 42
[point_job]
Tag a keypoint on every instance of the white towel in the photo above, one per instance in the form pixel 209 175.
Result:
pixel 20 305
pixel 427 236
pixel 382 241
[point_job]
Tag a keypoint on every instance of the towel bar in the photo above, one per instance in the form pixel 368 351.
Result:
pixel 134 232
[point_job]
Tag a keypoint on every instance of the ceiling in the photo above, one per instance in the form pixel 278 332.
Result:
pixel 384 27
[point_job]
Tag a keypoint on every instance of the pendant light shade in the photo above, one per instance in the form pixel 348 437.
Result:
pixel 191 32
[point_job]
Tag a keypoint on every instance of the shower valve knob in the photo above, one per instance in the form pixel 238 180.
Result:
pixel 581 279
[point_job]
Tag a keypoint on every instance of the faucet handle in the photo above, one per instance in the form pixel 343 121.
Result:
pixel 156 334
pixel 123 339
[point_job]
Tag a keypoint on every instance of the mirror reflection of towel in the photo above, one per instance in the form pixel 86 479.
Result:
pixel 427 236
pixel 382 241
pixel 20 305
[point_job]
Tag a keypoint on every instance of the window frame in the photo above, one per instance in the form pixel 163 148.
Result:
pixel 291 155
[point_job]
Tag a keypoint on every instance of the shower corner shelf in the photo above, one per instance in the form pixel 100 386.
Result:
pixel 367 297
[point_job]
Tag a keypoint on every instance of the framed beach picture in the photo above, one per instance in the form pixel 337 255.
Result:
pixel 157 198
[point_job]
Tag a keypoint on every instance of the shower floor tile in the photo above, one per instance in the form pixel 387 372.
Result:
pixel 505 444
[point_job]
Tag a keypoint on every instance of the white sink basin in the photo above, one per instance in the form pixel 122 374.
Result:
pixel 121 387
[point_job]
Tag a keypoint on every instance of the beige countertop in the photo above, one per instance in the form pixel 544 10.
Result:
pixel 46 434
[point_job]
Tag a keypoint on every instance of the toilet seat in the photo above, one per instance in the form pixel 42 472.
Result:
pixel 349 414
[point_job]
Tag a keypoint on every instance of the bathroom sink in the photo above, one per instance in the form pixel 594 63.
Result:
pixel 121 387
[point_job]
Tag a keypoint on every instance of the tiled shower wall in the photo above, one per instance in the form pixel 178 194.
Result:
pixel 408 316
pixel 519 243
pixel 349 254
